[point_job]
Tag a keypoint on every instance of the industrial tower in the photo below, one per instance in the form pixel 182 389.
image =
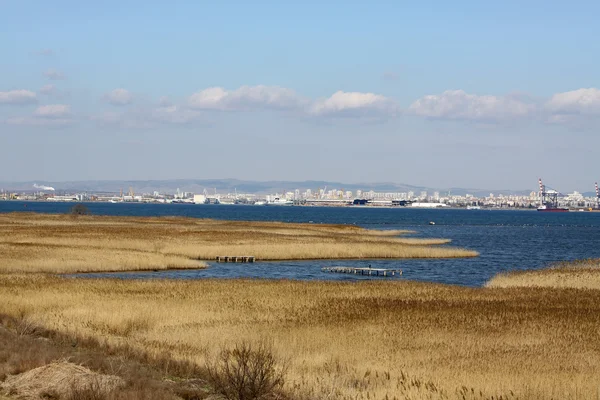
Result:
pixel 548 198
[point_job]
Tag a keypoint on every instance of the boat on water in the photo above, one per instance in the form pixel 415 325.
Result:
pixel 278 201
pixel 473 207
pixel 550 208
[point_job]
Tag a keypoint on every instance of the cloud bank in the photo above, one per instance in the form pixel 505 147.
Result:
pixel 53 111
pixel 580 101
pixel 354 104
pixel 457 104
pixel 18 97
pixel 580 107
pixel 246 98
pixel 48 115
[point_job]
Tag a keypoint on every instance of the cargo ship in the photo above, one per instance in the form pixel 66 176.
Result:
pixel 551 208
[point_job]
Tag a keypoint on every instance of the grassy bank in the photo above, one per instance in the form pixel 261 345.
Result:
pixel 582 274
pixel 342 340
pixel 64 243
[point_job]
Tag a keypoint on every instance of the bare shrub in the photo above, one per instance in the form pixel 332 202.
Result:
pixel 247 372
pixel 79 209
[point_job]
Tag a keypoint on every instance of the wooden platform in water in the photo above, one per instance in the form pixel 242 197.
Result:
pixel 363 271
pixel 236 259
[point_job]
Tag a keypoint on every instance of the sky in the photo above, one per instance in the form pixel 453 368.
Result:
pixel 441 94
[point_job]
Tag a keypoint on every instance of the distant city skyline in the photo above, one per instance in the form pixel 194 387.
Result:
pixel 463 94
pixel 230 186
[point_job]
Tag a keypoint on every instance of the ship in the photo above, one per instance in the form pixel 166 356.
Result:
pixel 550 208
pixel 549 200
pixel 277 201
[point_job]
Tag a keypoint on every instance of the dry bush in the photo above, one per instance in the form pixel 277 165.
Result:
pixel 26 326
pixel 79 209
pixel 246 372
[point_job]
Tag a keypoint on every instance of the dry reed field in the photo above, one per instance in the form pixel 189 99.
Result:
pixel 64 243
pixel 367 340
pixel 337 340
pixel 582 274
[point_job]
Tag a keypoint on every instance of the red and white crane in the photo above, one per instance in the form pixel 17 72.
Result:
pixel 549 199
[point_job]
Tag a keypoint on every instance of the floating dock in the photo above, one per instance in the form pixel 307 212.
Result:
pixel 236 259
pixel 363 271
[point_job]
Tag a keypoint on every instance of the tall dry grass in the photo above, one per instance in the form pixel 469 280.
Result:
pixel 372 340
pixel 582 274
pixel 64 244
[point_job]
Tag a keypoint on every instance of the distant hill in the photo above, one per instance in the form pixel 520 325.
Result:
pixel 230 185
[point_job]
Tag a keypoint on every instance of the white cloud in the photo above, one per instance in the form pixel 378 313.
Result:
pixel 457 104
pixel 48 115
pixel 54 75
pixel 581 101
pixel 17 97
pixel 119 97
pixel 354 104
pixel 245 98
pixel 174 115
pixel 48 90
pixel 53 111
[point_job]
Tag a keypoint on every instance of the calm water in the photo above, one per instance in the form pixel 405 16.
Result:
pixel 506 240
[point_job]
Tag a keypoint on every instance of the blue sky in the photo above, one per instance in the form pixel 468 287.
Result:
pixel 463 93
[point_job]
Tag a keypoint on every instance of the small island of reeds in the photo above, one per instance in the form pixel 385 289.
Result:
pixel 82 243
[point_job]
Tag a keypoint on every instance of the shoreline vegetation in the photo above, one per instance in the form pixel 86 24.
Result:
pixel 326 339
pixel 55 243
pixel 580 274
pixel 342 340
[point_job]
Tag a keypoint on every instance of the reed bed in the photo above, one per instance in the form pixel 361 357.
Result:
pixel 582 274
pixel 67 244
pixel 373 340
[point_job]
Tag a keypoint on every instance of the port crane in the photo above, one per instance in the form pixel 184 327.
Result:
pixel 597 196
pixel 548 197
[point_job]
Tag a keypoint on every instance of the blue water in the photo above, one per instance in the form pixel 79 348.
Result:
pixel 506 240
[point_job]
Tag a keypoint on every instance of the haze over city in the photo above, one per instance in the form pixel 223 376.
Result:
pixel 438 94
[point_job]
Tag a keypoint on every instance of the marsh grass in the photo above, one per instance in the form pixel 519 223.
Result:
pixel 62 244
pixel 372 340
pixel 581 274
